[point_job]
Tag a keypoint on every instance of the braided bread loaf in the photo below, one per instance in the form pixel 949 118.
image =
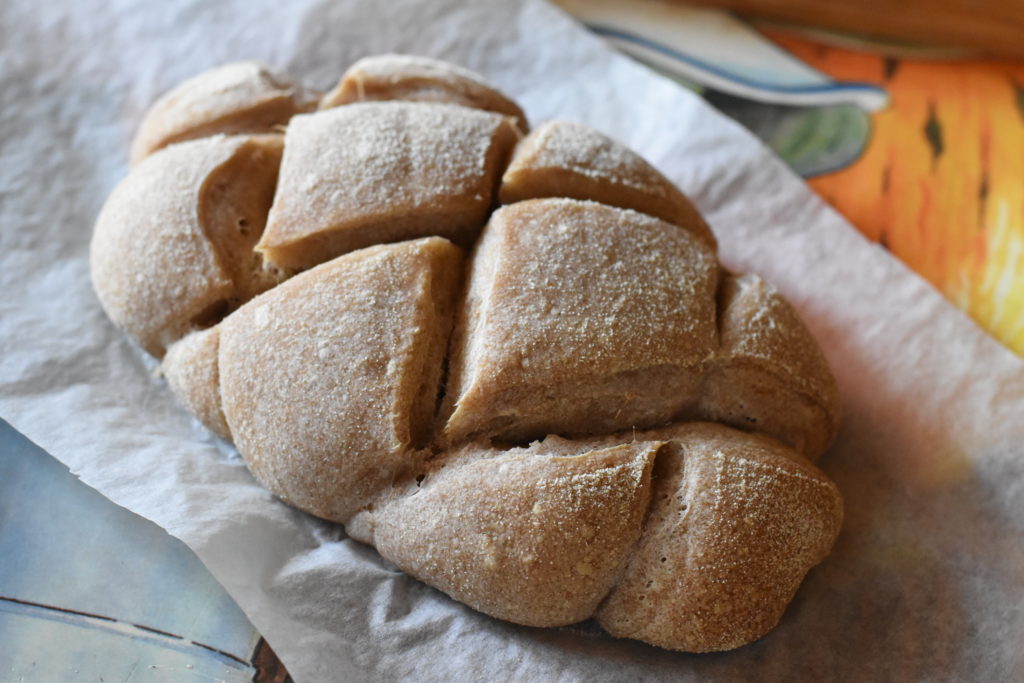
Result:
pixel 583 415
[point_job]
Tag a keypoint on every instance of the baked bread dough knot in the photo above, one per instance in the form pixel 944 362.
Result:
pixel 507 359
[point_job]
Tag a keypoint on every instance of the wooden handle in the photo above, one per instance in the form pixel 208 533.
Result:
pixel 990 26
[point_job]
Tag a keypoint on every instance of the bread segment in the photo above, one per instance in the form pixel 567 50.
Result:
pixel 579 319
pixel 769 376
pixel 736 523
pixel 192 373
pixel 381 172
pixel 329 381
pixel 240 97
pixel 537 540
pixel 569 159
pixel 419 79
pixel 172 248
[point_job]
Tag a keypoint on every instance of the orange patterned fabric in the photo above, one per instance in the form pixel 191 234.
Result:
pixel 941 182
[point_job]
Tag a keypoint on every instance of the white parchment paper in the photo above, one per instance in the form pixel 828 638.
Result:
pixel 927 579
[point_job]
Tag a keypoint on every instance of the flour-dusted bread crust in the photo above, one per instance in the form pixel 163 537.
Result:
pixel 329 381
pixel 419 79
pixel 534 539
pixel 390 386
pixel 735 524
pixel 580 318
pixel 173 245
pixel 382 172
pixel 547 535
pixel 769 375
pixel 568 159
pixel 193 374
pixel 240 97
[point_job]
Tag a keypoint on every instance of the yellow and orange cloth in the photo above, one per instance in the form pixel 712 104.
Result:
pixel 941 181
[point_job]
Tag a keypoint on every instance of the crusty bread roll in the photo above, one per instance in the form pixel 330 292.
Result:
pixel 378 172
pixel 391 387
pixel 419 79
pixel 534 539
pixel 768 374
pixel 173 246
pixel 736 522
pixel 240 97
pixel 567 159
pixel 328 381
pixel 580 318
pixel 731 523
pixel 193 373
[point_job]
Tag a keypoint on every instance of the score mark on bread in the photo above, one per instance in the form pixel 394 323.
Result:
pixel 349 305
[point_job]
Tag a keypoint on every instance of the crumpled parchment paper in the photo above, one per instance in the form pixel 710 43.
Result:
pixel 927 578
